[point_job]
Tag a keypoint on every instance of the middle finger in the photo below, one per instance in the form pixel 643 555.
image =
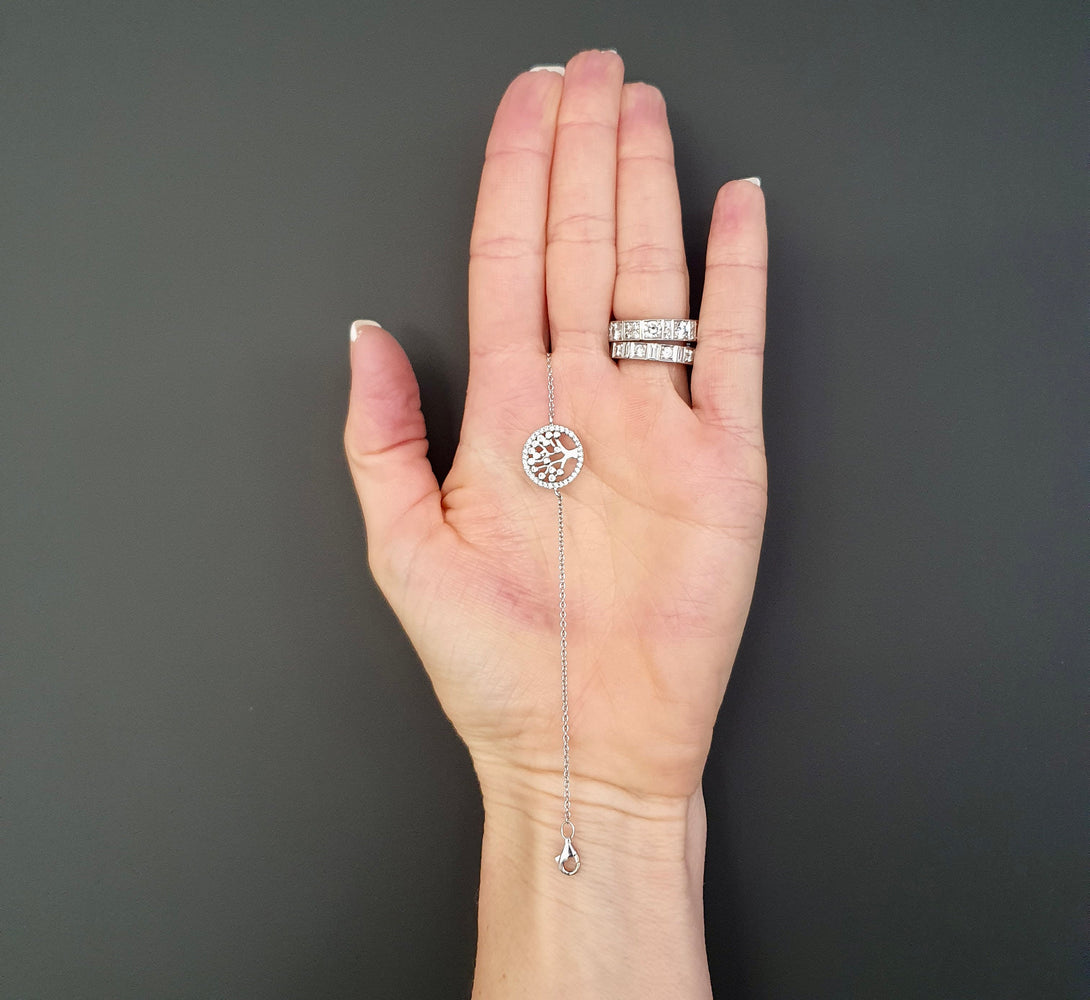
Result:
pixel 580 254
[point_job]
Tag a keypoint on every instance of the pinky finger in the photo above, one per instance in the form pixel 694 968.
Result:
pixel 728 361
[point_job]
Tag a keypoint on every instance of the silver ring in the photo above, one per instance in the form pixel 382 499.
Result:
pixel 668 331
pixel 677 353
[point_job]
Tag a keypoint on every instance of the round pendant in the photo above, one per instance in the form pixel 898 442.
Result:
pixel 552 456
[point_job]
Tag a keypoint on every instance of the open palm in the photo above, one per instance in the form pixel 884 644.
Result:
pixel 578 219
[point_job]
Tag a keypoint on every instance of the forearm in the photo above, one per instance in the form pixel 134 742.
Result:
pixel 629 924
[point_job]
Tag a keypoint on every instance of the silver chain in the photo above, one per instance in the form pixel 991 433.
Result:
pixel 563 659
pixel 567 828
pixel 552 389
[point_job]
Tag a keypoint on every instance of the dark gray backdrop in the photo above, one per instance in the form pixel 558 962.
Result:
pixel 224 772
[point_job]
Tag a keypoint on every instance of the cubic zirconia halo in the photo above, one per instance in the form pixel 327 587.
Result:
pixel 552 456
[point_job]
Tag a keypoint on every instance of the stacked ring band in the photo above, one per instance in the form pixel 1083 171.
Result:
pixel 678 353
pixel 659 330
pixel 653 339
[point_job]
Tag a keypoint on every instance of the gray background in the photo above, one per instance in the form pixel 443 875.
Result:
pixel 224 772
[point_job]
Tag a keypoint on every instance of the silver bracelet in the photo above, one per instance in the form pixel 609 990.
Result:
pixel 552 458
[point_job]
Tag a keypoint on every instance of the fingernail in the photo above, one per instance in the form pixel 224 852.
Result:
pixel 753 180
pixel 548 69
pixel 614 51
pixel 354 329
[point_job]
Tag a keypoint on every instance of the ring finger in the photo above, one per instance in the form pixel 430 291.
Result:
pixel 652 277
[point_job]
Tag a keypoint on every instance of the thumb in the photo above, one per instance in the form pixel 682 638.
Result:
pixel 386 444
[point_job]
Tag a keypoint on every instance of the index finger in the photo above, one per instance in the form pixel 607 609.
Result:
pixel 507 318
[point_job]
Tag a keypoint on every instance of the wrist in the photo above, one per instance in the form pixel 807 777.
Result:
pixel 629 924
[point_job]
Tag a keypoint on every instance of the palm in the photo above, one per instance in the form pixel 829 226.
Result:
pixel 662 526
pixel 661 545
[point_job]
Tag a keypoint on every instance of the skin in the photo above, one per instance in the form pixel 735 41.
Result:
pixel 578 219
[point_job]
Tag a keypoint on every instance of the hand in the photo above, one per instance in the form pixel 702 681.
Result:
pixel 578 217
pixel 663 524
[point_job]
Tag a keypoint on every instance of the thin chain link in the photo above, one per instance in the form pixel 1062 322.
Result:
pixel 552 389
pixel 565 727
pixel 568 859
pixel 563 657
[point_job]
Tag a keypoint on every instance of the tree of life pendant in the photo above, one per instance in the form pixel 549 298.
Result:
pixel 552 456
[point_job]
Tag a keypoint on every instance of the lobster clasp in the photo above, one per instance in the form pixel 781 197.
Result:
pixel 568 859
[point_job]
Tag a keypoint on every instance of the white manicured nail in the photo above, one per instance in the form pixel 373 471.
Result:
pixel 614 51
pixel 547 69
pixel 354 329
pixel 753 180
